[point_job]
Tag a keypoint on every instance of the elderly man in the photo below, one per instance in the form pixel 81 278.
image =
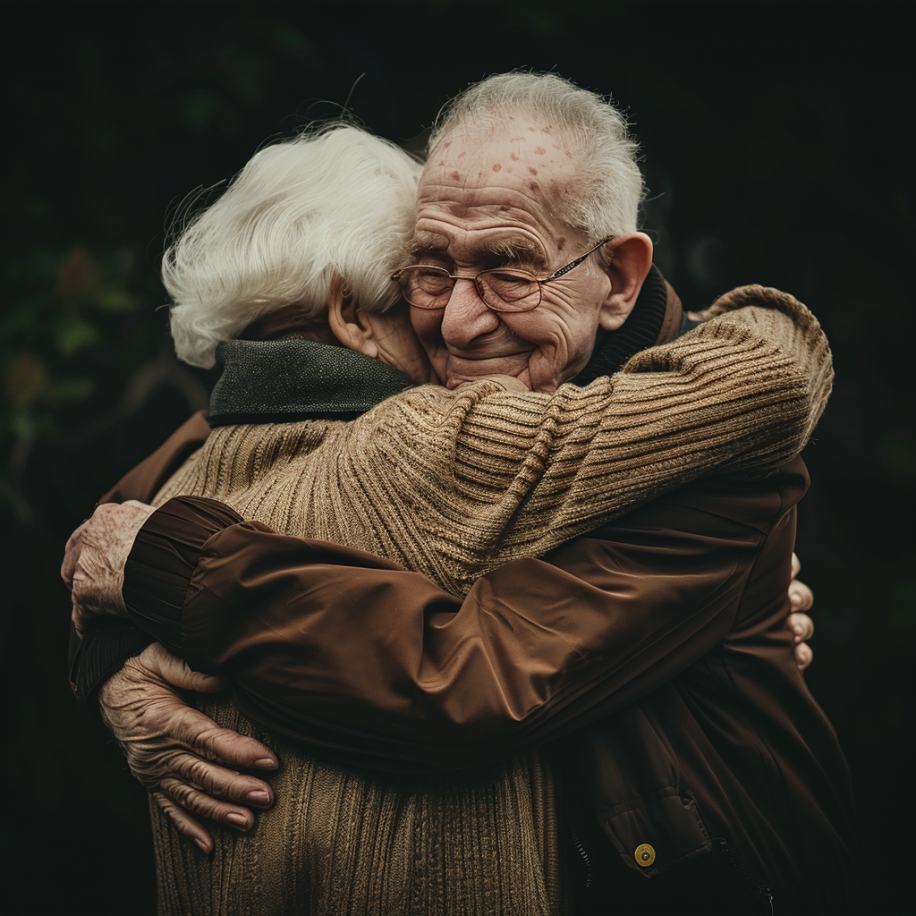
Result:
pixel 707 779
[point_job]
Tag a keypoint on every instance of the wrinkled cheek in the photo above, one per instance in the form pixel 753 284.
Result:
pixel 547 364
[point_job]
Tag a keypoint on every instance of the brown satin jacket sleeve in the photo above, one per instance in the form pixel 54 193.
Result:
pixel 379 666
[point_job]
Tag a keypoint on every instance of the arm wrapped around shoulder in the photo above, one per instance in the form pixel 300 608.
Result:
pixel 774 358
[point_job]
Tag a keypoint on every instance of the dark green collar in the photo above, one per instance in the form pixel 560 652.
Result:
pixel 639 332
pixel 285 380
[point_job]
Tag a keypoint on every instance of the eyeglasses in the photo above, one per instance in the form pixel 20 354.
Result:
pixel 503 289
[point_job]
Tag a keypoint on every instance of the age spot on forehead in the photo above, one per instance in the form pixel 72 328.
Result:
pixel 464 153
pixel 539 150
pixel 496 166
pixel 531 129
pixel 456 174
pixel 533 171
pixel 514 157
pixel 534 186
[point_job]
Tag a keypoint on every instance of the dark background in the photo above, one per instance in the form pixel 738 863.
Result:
pixel 778 148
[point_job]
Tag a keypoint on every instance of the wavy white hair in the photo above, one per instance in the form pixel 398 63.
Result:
pixel 338 200
pixel 608 186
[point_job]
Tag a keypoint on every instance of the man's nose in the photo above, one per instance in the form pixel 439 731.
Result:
pixel 466 315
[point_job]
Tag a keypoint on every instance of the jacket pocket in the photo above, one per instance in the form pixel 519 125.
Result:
pixel 658 833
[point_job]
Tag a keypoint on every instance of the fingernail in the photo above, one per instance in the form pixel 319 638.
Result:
pixel 238 819
pixel 258 795
pixel 267 763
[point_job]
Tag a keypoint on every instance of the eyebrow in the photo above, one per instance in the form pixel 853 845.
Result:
pixel 517 249
pixel 426 244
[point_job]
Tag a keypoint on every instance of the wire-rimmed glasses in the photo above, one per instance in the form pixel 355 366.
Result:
pixel 503 289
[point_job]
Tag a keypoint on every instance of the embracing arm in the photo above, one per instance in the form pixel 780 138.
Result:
pixel 379 666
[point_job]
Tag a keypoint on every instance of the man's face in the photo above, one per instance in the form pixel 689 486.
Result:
pixel 491 203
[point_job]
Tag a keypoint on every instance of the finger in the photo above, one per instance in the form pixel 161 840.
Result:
pixel 230 747
pixel 802 626
pixel 801 598
pixel 796 566
pixel 184 823
pixel 191 799
pixel 222 783
pixel 803 656
pixel 204 738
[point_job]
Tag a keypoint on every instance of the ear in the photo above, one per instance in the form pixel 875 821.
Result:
pixel 348 323
pixel 629 263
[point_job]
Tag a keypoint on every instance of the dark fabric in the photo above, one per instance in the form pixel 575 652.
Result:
pixel 640 331
pixel 286 380
pixel 162 560
pixel 100 653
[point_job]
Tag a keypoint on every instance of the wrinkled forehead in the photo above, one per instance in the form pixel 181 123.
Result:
pixel 515 170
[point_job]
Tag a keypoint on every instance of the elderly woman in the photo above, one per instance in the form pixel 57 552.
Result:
pixel 318 432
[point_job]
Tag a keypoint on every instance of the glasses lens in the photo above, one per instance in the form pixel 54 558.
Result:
pixel 426 287
pixel 506 290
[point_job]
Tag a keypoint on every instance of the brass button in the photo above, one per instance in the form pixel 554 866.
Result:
pixel 644 855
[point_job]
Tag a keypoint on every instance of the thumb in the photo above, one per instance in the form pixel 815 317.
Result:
pixel 175 671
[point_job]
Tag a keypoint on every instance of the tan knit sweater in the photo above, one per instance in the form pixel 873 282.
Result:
pixel 452 485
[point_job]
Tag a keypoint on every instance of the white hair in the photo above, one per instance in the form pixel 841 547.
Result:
pixel 608 188
pixel 338 200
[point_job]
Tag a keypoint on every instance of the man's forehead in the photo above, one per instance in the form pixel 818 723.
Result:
pixel 519 136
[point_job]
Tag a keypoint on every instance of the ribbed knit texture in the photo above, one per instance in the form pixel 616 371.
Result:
pixel 342 841
pixel 452 485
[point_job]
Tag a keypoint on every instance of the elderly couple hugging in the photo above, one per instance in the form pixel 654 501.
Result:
pixel 517 644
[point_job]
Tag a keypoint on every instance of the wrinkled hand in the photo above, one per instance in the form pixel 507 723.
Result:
pixel 94 559
pixel 801 599
pixel 183 758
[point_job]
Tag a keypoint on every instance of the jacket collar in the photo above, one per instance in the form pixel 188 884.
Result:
pixel 286 380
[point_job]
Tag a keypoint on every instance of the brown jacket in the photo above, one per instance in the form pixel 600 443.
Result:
pixel 664 633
